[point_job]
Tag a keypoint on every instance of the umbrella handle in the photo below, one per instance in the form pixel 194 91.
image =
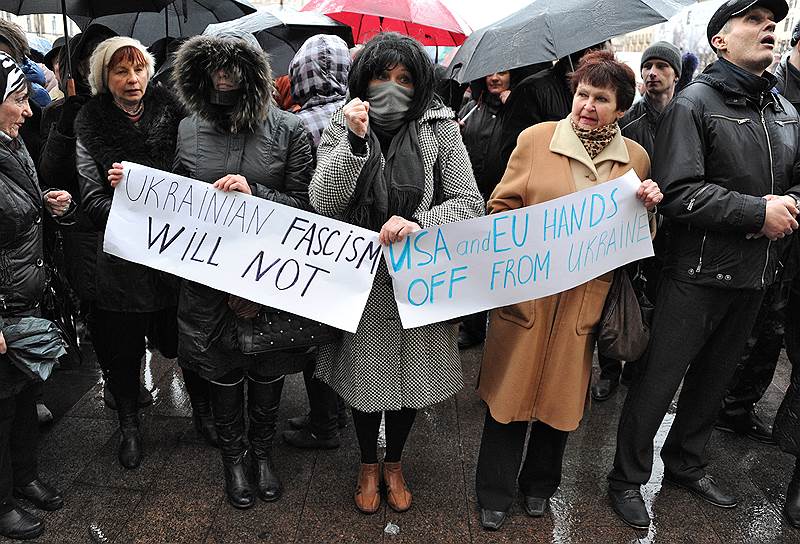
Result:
pixel 71 87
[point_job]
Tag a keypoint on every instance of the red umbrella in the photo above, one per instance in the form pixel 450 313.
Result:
pixel 428 21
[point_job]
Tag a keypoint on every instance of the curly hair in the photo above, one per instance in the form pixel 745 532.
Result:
pixel 601 69
pixel 384 52
pixel 12 35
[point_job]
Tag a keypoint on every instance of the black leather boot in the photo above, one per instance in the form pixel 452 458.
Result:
pixel 792 507
pixel 227 405
pixel 200 398
pixel 263 399
pixel 130 446
pixel 320 431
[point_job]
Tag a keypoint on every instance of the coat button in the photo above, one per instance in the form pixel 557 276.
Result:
pixel 591 177
pixel 720 276
pixel 39 263
pixel 38 220
pixel 728 277
pixel 691 271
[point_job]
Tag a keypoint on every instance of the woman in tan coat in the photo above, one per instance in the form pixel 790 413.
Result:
pixel 538 355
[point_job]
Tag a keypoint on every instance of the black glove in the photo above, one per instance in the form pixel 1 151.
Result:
pixel 69 111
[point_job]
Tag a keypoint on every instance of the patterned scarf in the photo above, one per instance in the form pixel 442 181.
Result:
pixel 594 140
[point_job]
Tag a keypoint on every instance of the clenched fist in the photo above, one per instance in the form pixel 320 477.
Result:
pixel 356 113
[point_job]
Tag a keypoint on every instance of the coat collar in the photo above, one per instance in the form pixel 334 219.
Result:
pixel 566 142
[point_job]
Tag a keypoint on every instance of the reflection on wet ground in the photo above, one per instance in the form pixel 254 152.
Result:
pixel 176 495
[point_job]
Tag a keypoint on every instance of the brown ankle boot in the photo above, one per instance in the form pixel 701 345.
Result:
pixel 367 495
pixel 397 494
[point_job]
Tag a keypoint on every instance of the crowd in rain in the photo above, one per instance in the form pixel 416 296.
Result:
pixel 379 137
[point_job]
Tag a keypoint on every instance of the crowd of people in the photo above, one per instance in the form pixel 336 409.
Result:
pixel 363 136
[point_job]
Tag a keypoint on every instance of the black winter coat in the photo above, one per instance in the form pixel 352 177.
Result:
pixel 544 96
pixel 277 162
pixel 57 169
pixel 483 130
pixel 639 124
pixel 22 274
pixel 723 143
pixel 481 134
pixel 788 82
pixel 105 135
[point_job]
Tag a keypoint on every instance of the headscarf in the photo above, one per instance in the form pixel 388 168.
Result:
pixel 11 77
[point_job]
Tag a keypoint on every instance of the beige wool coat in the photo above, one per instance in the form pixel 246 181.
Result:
pixel 538 354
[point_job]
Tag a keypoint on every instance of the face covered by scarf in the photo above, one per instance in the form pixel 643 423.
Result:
pixel 388 104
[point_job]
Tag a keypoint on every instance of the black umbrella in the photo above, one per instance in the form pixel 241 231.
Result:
pixel 281 32
pixel 79 10
pixel 547 30
pixel 180 19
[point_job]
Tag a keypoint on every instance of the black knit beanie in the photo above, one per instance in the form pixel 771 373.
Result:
pixel 664 51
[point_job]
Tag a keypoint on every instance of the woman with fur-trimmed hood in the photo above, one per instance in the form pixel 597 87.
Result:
pixel 239 140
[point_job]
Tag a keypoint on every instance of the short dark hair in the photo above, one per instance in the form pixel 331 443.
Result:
pixel 384 52
pixel 601 69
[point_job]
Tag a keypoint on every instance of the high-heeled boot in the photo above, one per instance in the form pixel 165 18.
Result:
pixel 792 507
pixel 130 446
pixel 200 398
pixel 227 405
pixel 263 398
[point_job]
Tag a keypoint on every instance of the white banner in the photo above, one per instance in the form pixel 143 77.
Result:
pixel 266 252
pixel 488 262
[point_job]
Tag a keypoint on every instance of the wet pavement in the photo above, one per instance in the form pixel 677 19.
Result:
pixel 176 495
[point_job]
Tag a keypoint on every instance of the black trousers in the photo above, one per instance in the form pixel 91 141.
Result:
pixel 323 403
pixel 501 454
pixel 119 340
pixel 698 336
pixel 475 326
pixel 760 359
pixel 19 433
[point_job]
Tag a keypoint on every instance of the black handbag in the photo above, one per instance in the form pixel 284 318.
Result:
pixel 624 329
pixel 278 330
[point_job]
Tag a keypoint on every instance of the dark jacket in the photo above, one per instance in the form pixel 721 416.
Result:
pixel 22 274
pixel 57 170
pixel 639 124
pixel 105 135
pixel 723 143
pixel 544 96
pixel 481 135
pixel 271 149
pixel 482 132
pixel 788 81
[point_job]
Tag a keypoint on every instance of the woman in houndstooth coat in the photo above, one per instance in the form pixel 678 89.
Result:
pixel 392 160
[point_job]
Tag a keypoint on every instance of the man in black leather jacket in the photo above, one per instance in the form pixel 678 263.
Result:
pixel 760 359
pixel 727 161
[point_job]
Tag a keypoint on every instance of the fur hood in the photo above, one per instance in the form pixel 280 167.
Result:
pixel 237 52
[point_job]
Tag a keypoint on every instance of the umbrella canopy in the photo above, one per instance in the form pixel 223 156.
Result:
pixel 547 30
pixel 180 19
pixel 78 10
pixel 81 8
pixel 281 32
pixel 428 21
